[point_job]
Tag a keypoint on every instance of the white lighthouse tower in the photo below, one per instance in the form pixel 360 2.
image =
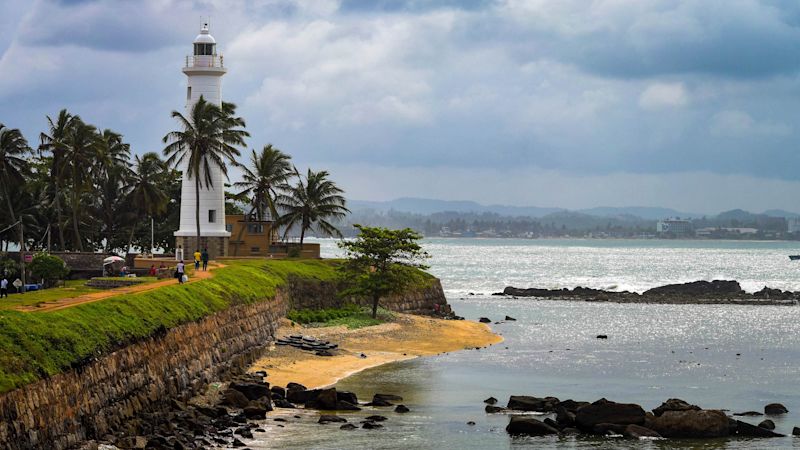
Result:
pixel 204 70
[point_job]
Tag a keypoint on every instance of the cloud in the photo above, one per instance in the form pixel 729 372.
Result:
pixel 734 123
pixel 663 96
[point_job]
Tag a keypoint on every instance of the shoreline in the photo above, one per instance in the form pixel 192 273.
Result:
pixel 407 337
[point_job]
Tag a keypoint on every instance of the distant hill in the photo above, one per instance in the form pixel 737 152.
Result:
pixel 431 206
pixel 781 213
pixel 644 212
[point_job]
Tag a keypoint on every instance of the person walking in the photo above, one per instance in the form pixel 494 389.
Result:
pixel 4 287
pixel 180 271
pixel 196 259
pixel 204 257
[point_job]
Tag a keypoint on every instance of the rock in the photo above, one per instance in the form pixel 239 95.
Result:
pixel 371 425
pixel 674 404
pixel 349 397
pixel 528 403
pixel 774 409
pixel 253 391
pixel 325 399
pixel 324 353
pixel 485 320
pixel 296 386
pixel 301 395
pixel 602 336
pixel 282 403
pixel 279 419
pixel 552 423
pixel 490 401
pixel 255 412
pixel 748 413
pixel 691 424
pixel 346 406
pixel 244 432
pixel 571 405
pixel 278 390
pixel 529 426
pixel 716 288
pixel 388 397
pixel 471 423
pixel 608 429
pixel 327 418
pixel 564 417
pixel 796 431
pixel 208 412
pixel 260 373
pixel 377 401
pixel 494 409
pixel 510 319
pixel 401 409
pixel 749 430
pixel 232 397
pixel 570 430
pixel 767 424
pixel 238 443
pixel 376 418
pixel 348 426
pixel 639 432
pixel 605 411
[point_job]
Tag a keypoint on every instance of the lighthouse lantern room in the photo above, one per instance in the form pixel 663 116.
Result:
pixel 204 70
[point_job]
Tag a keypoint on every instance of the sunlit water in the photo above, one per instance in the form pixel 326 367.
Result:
pixel 654 352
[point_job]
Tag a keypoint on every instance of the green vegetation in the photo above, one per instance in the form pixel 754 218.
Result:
pixel 381 262
pixel 42 344
pixel 48 268
pixel 71 288
pixel 351 316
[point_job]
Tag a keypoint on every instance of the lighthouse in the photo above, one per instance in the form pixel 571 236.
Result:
pixel 204 70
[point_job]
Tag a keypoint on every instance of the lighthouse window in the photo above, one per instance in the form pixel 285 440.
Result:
pixel 212 215
pixel 203 49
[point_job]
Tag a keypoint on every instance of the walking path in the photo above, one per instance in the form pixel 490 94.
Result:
pixel 102 295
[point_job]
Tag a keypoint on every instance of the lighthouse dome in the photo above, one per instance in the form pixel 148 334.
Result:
pixel 204 37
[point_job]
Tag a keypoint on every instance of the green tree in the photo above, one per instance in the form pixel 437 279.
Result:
pixel 381 262
pixel 312 204
pixel 207 139
pixel 52 142
pixel 13 165
pixel 148 197
pixel 112 176
pixel 81 150
pixel 267 175
pixel 48 268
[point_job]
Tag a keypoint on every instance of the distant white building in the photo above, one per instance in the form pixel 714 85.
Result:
pixel 678 227
pixel 793 225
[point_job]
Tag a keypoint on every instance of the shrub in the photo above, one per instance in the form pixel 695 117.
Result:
pixel 48 268
pixel 8 267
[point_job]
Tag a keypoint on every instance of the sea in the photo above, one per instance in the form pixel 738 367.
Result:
pixel 737 358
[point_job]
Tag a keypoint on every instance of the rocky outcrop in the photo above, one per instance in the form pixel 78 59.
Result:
pixel 690 424
pixel 605 411
pixel 529 426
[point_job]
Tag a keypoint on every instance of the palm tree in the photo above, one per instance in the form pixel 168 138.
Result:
pixel 81 148
pixel 13 151
pixel 206 140
pixel 266 176
pixel 148 196
pixel 112 174
pixel 311 204
pixel 54 143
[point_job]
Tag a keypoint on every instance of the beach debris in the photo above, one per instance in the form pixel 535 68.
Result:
pixel 774 409
pixel 401 409
pixel 485 320
pixel 308 343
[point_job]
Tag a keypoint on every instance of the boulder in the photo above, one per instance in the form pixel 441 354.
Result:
pixel 494 409
pixel 608 429
pixel 528 403
pixel 244 432
pixel 371 425
pixel 255 412
pixel 774 409
pixel 510 319
pixel 691 424
pixel 325 399
pixel 748 430
pixel 714 289
pixel 674 404
pixel 345 396
pixel 328 418
pixel 639 432
pixel 301 395
pixel 388 397
pixel 552 423
pixel 296 386
pixel 277 390
pixel 346 406
pixel 348 426
pixel 376 418
pixel 485 320
pixel 605 411
pixel 253 391
pixel 571 405
pixel 767 424
pixel 281 402
pixel 564 417
pixel 238 443
pixel 796 431
pixel 529 426
pixel 749 414
pixel 232 397
pixel 401 409
pixel 490 401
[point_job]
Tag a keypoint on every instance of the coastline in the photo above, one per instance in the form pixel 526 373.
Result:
pixel 406 337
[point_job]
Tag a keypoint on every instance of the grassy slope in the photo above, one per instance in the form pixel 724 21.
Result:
pixel 37 345
pixel 73 288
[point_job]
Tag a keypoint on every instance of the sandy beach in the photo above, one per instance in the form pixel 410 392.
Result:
pixel 406 337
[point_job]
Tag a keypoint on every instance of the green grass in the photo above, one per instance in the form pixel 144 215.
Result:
pixel 351 316
pixel 41 344
pixel 71 289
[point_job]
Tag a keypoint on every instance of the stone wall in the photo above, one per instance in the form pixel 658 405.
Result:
pixel 60 412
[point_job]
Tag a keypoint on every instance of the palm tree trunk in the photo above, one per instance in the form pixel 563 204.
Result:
pixel 75 219
pixel 60 219
pixel 21 238
pixel 197 208
pixel 375 300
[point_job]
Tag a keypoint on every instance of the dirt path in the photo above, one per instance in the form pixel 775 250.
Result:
pixel 102 295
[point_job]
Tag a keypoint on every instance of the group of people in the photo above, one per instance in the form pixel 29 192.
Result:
pixel 199 257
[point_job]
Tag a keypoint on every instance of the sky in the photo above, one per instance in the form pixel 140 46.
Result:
pixel 569 103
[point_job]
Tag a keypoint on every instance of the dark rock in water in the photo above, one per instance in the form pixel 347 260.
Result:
pixel 232 397
pixel 345 396
pixel 570 430
pixel 325 399
pixel 529 426
pixel 552 423
pixel 348 426
pixel 774 409
pixel 564 417
pixel 471 423
pixel 768 424
pixel 490 401
pixel 327 418
pixel 494 409
pixel 528 403
pixel 296 386
pixel 244 432
pixel 749 414
pixel 302 396
pixel 716 288
pixel 749 430
pixel 602 336
pixel 380 402
pixel 485 320
pixel 605 411
pixel 255 412
pixel 363 356
pixel 401 409
pixel 608 429
pixel 208 412
pixel 510 319
pixel 346 406
pixel 282 403
pixel 252 391
pixel 278 390
pixel 376 418
pixel 674 404
pixel 638 432
pixel 571 405
pixel 279 419
pixel 387 397
pixel 371 425
pixel 691 424
pixel 238 443
pixel 796 431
